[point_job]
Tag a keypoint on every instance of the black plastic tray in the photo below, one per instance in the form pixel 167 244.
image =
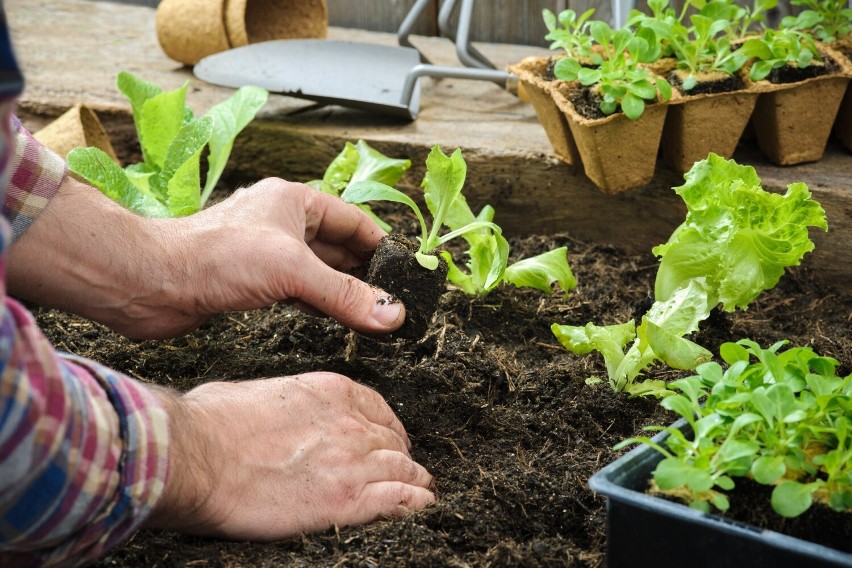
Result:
pixel 643 530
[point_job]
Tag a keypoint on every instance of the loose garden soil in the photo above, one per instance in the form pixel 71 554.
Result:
pixel 497 410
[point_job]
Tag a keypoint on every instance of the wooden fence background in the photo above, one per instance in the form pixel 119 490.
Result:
pixel 495 21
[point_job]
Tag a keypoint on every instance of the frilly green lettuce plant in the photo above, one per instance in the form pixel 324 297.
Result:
pixel 735 242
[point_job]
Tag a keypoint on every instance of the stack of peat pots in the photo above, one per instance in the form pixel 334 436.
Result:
pixel 189 30
pixel 792 121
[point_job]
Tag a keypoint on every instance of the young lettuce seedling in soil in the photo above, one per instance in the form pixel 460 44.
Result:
pixel 617 81
pixel 539 272
pixel 779 50
pixel 358 162
pixel 569 32
pixel 783 420
pixel 703 48
pixel 416 275
pixel 167 183
pixel 735 242
pixel 827 20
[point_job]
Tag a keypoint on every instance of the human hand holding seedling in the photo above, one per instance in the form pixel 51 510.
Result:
pixel 155 278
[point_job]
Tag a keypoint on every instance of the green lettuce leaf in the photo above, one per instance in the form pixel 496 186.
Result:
pixel 103 173
pixel 541 271
pixel 230 117
pixel 737 236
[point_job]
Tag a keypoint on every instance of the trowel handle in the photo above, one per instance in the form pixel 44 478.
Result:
pixel 506 80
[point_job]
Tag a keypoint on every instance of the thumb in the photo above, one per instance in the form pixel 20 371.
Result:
pixel 351 301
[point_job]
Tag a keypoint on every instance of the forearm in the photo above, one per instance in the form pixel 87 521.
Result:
pixel 87 255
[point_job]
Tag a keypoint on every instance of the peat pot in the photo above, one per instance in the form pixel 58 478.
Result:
pixel 643 530
pixel 532 79
pixel 617 153
pixel 699 124
pixel 793 121
pixel 79 126
pixel 189 30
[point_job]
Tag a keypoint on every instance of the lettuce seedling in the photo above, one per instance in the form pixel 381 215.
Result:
pixel 617 76
pixel 777 48
pixel 699 48
pixel 735 242
pixel 539 272
pixel 827 20
pixel 359 162
pixel 489 251
pixel 167 183
pixel 781 418
pixel 569 32
pixel 442 186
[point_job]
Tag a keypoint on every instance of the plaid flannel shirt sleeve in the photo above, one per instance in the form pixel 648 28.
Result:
pixel 37 173
pixel 83 449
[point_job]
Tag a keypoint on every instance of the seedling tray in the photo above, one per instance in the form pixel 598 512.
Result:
pixel 643 530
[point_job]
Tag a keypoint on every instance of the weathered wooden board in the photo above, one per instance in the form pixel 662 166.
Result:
pixel 510 163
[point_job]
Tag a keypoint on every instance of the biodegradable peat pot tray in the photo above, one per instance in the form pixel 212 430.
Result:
pixel 792 121
pixel 617 153
pixel 189 30
pixel 643 530
pixel 532 78
pixel 702 123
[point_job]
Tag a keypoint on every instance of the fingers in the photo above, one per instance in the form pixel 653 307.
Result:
pixel 347 299
pixel 376 410
pixel 332 220
pixel 392 498
pixel 389 465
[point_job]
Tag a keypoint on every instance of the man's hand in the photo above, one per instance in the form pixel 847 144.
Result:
pixel 267 459
pixel 155 278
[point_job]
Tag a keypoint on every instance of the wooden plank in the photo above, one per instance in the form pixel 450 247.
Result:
pixel 510 162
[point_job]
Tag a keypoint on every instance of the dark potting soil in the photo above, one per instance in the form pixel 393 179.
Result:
pixel 586 102
pixel 794 74
pixel 395 269
pixel 497 410
pixel 708 87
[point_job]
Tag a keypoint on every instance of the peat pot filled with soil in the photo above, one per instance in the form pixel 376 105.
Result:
pixel 795 111
pixel 534 81
pixel 710 117
pixel 395 269
pixel 617 153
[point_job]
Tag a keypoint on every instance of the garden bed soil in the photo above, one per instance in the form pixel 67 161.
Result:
pixel 497 410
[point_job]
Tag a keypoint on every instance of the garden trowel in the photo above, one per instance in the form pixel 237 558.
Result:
pixel 371 77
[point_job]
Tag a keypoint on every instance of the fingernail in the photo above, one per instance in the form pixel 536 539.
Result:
pixel 388 311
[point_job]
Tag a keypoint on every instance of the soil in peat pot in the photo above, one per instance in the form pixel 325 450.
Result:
pixel 496 409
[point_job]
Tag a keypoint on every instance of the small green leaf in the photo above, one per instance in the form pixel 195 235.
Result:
pixel 791 498
pixel 542 271
pixel 428 261
pixel 632 106
pixel 230 117
pixel 767 469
